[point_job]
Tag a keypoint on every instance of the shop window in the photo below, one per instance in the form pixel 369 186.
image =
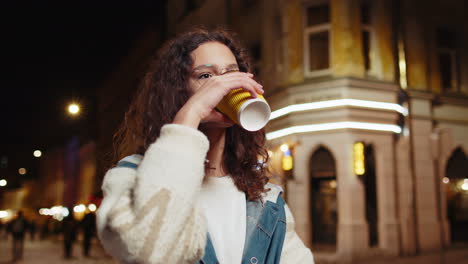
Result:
pixel 317 40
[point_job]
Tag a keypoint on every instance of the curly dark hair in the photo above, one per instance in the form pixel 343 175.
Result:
pixel 165 89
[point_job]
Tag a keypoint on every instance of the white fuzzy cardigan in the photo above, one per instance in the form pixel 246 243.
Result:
pixel 153 215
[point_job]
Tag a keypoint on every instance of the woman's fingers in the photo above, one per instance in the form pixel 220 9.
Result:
pixel 244 81
pixel 208 95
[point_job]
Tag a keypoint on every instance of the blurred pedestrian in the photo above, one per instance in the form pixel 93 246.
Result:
pixel 69 230
pixel 44 233
pixel 17 227
pixel 32 229
pixel 189 187
pixel 88 225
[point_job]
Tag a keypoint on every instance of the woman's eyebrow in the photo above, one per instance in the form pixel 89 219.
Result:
pixel 204 66
pixel 232 66
pixel 214 66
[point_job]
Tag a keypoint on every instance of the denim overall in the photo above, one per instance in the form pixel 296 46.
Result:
pixel 265 230
pixel 265 233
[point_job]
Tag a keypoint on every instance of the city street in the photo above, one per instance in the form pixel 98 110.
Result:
pixel 456 254
pixel 51 252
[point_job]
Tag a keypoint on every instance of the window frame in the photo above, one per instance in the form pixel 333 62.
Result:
pixel 311 30
pixel 452 52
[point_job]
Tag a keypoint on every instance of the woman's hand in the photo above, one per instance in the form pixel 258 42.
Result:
pixel 200 107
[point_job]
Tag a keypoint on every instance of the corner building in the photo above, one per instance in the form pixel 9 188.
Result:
pixel 389 76
pixel 370 103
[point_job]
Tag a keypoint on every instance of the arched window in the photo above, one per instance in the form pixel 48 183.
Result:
pixel 457 195
pixel 323 201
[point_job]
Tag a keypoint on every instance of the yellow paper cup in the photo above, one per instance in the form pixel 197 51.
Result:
pixel 250 113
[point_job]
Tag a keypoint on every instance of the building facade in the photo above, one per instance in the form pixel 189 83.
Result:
pixel 369 130
pixel 384 78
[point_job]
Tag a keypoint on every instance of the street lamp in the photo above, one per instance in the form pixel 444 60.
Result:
pixel 73 109
pixel 37 153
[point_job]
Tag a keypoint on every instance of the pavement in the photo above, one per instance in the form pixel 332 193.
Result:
pixel 51 252
pixel 455 254
pixel 447 256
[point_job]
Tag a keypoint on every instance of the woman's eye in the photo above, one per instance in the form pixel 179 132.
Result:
pixel 205 76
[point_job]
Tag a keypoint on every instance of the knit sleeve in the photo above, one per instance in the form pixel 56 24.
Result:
pixel 152 214
pixel 294 251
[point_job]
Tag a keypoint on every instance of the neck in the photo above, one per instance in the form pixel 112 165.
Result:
pixel 217 138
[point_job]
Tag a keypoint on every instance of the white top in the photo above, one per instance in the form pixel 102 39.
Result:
pixel 224 207
pixel 154 214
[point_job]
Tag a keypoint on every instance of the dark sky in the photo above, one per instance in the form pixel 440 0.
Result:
pixel 53 52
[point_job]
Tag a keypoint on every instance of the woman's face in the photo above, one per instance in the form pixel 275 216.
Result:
pixel 211 59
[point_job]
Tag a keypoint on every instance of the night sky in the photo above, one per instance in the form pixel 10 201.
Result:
pixel 53 53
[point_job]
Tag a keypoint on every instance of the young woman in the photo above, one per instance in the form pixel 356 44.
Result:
pixel 193 191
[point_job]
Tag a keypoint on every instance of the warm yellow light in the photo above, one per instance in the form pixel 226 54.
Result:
pixel 37 153
pixel 22 171
pixel 333 184
pixel 73 109
pixel 92 207
pixel 284 147
pixel 287 163
pixel 359 158
pixel 402 64
pixel 3 182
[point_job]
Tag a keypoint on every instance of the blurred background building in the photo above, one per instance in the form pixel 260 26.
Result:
pixel 369 131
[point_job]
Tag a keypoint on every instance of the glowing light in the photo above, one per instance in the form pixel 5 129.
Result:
pixel 445 180
pixel 65 212
pixel 79 208
pixel 57 212
pixel 332 126
pixel 402 64
pixel 44 211
pixel 22 171
pixel 73 109
pixel 37 153
pixel 3 182
pixel 336 103
pixel 465 185
pixel 287 163
pixel 3 214
pixel 359 158
pixel 284 147
pixel 333 184
pixel 92 207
